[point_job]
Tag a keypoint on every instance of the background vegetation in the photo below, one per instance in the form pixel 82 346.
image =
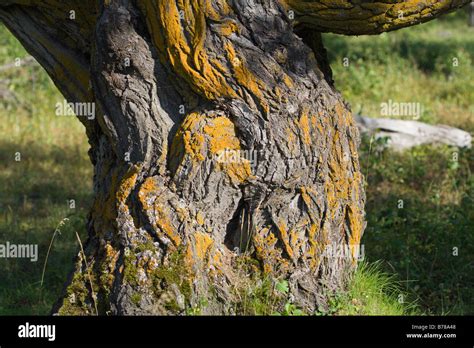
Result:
pixel 411 267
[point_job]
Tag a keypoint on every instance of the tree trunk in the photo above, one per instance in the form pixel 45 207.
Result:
pixel 222 153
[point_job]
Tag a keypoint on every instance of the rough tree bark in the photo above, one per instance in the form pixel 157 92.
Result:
pixel 221 149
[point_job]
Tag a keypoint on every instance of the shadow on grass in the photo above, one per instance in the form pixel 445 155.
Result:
pixel 429 246
pixel 420 216
pixel 34 199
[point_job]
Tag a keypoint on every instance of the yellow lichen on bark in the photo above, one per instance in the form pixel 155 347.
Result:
pixel 344 184
pixel 181 42
pixel 202 244
pixel 222 137
pixel 110 260
pixel 355 216
pixel 179 31
pixel 156 204
pixel 202 254
pixel 304 126
pixel 201 136
pixel 147 187
pixel 264 242
pixel 245 77
pixel 164 224
pixel 285 239
pixel 224 144
pixel 291 141
pixel 200 218
pixel 313 254
pixel 126 185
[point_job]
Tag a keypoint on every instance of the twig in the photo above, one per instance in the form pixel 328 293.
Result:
pixel 88 273
pixel 56 231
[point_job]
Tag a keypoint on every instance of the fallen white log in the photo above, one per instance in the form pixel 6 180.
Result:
pixel 404 134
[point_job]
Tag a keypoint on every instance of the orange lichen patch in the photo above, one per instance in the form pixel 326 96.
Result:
pixel 245 77
pixel 338 188
pixel 313 253
pixel 291 141
pixel 265 242
pixel 306 198
pixel 332 202
pixel 355 215
pixel 202 244
pixel 212 12
pixel 297 241
pixel 180 30
pixel 217 260
pixel 228 27
pixel 193 144
pixel 354 155
pixel 181 43
pixel 316 122
pixel 344 116
pixel 340 110
pixel 127 184
pixel 217 263
pixel 277 92
pixel 288 81
pixel 304 126
pixel 282 228
pixel 146 188
pixel 215 137
pixel 222 136
pixel 200 252
pixel 200 218
pixel 202 257
pixel 163 222
pixel 345 182
pixel 416 7
pixel 188 140
pixel 108 266
pixel 110 252
pixel 105 208
pixel 238 172
pixel 155 204
pixel 337 148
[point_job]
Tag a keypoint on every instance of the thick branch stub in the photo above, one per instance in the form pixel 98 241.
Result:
pixel 366 17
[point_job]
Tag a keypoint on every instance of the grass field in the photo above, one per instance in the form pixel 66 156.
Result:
pixel 35 191
pixel 413 244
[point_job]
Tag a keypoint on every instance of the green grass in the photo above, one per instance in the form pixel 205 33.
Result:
pixel 372 292
pixel 34 194
pixel 417 241
pixel 414 244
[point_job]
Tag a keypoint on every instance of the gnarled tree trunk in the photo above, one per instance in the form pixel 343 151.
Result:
pixel 221 148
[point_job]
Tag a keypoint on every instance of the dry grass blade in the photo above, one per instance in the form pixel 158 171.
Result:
pixel 88 274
